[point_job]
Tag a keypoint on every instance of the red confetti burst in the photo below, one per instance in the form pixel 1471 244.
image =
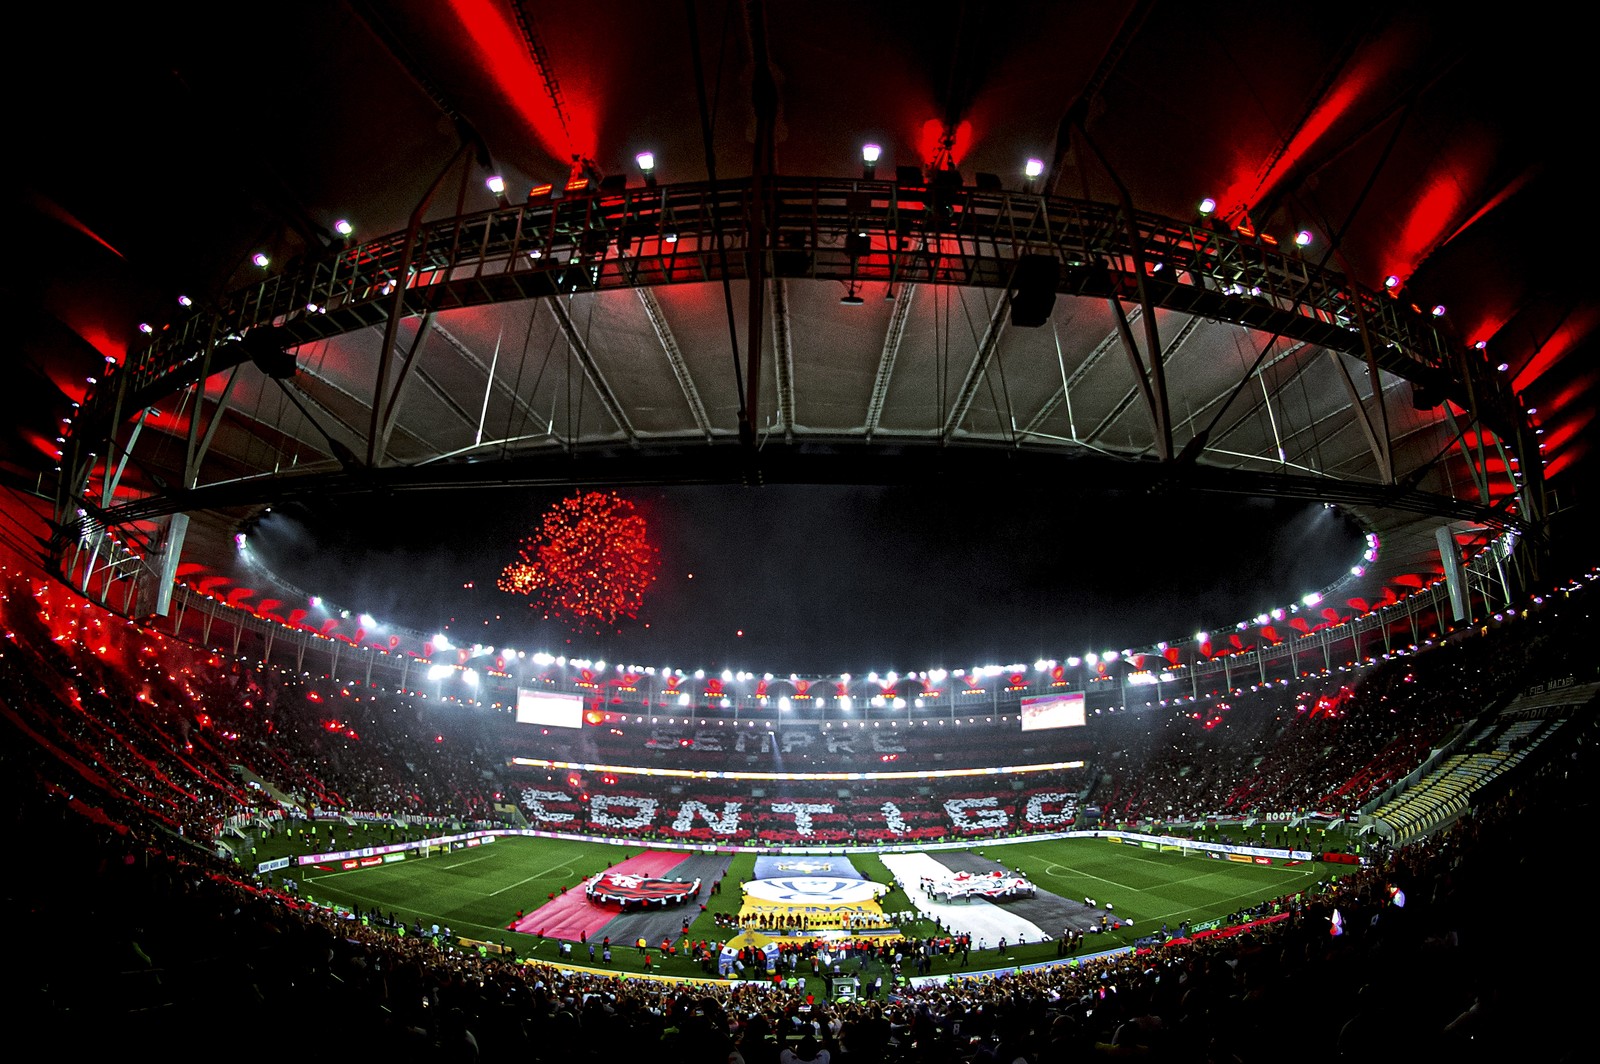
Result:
pixel 590 563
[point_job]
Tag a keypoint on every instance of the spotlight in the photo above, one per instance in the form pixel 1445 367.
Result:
pixel 185 301
pixel 1302 238
pixel 870 154
pixel 260 259
pixel 145 328
pixel 1481 344
pixel 1503 367
pixel 343 227
pixel 1391 282
pixel 1208 205
pixel 1033 168
pixel 496 184
pixel 851 299
pixel 1438 310
pixel 647 166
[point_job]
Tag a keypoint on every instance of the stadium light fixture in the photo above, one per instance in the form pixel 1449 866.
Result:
pixel 1208 206
pixel 343 227
pixel 870 154
pixel 1303 238
pixel 647 166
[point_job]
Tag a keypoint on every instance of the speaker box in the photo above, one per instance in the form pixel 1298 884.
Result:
pixel 1033 290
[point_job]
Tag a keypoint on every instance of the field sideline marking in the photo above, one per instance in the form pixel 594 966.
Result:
pixel 375 906
pixel 347 871
pixel 1223 901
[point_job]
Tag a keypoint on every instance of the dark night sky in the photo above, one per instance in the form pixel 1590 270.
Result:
pixel 829 579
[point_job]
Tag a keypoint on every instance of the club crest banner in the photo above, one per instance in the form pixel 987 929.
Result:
pixel 783 867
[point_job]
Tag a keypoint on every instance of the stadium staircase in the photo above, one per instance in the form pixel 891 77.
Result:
pixel 246 776
pixel 1456 782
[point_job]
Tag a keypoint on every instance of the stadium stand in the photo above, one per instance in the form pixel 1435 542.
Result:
pixel 133 764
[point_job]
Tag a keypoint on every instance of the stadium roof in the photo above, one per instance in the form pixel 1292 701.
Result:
pixel 906 329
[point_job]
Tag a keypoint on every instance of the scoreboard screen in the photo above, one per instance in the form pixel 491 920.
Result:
pixel 1053 711
pixel 549 710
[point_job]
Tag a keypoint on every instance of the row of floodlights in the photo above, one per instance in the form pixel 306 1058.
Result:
pixel 1032 169
pixel 1302 239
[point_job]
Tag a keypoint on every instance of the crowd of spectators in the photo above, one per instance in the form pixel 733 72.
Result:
pixel 180 948
pixel 119 766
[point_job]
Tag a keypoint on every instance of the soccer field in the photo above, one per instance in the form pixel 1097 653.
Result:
pixel 479 891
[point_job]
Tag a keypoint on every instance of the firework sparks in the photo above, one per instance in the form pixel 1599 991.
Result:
pixel 589 565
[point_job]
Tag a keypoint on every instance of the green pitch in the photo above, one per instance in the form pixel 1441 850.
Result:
pixel 477 892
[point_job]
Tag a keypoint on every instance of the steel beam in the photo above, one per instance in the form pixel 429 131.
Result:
pixel 979 367
pixel 886 359
pixel 591 369
pixel 680 368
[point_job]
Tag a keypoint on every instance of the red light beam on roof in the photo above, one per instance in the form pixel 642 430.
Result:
pixel 504 56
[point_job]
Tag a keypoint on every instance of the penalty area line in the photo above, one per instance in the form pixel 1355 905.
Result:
pixel 512 886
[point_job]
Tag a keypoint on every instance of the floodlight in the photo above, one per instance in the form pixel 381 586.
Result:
pixel 870 154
